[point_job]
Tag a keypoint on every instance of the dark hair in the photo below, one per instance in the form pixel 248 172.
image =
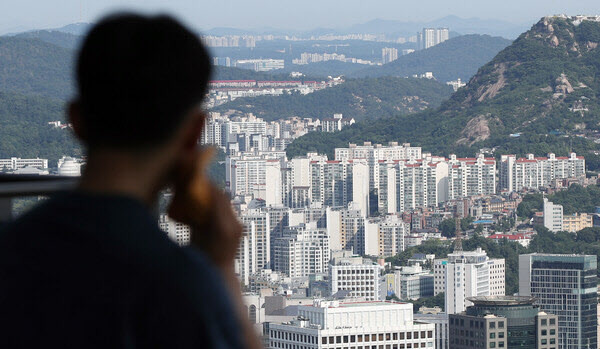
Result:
pixel 137 78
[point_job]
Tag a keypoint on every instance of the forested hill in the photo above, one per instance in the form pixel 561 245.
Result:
pixel 459 57
pixel 544 90
pixel 32 66
pixel 357 98
pixel 24 129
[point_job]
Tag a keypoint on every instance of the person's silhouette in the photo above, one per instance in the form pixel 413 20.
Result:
pixel 90 268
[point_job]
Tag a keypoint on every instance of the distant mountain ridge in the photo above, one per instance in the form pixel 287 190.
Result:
pixel 394 27
pixel 538 95
pixel 458 57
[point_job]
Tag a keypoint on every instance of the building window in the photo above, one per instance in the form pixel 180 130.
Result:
pixel 492 335
pixel 492 325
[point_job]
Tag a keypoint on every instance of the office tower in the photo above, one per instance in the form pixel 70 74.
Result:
pixel 412 283
pixel 389 54
pixel 358 275
pixel 537 172
pixel 564 285
pixel 178 232
pixel 468 274
pixel 553 216
pixel 503 322
pixel 351 325
pixel 471 176
pixel 301 251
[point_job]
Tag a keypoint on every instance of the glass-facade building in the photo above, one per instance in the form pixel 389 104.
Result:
pixel 503 322
pixel 564 285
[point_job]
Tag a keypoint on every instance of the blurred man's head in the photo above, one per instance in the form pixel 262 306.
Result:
pixel 139 79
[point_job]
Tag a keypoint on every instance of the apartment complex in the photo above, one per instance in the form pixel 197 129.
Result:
pixel 533 172
pixel 471 176
pixel 389 54
pixel 430 37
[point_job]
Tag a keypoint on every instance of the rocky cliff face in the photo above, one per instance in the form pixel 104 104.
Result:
pixel 548 79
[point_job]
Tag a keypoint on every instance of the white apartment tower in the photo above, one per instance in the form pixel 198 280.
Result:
pixel 301 251
pixel 258 231
pixel 389 54
pixel 471 176
pixel 256 176
pixel 535 172
pixel 405 185
pixel 337 183
pixel 376 153
pixel 178 232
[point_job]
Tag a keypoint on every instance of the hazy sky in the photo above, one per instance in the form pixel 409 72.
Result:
pixel 17 15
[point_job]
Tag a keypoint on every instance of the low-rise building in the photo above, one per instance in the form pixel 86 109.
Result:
pixel 330 324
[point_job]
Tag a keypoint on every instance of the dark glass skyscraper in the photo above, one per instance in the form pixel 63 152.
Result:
pixel 564 285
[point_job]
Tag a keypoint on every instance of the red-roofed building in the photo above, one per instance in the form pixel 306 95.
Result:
pixel 533 172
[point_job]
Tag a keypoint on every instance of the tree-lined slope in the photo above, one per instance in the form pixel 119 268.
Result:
pixel 458 57
pixel 357 98
pixel 544 89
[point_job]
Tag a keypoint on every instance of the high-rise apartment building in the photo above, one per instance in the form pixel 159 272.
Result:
pixel 430 37
pixel 536 172
pixel 351 325
pixel 337 183
pixel 503 322
pixel 405 185
pixel 178 232
pixel 392 231
pixel 301 250
pixel 255 175
pixel 564 285
pixel 389 54
pixel 471 176
pixel 257 229
pixel 375 153
pixel 468 274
